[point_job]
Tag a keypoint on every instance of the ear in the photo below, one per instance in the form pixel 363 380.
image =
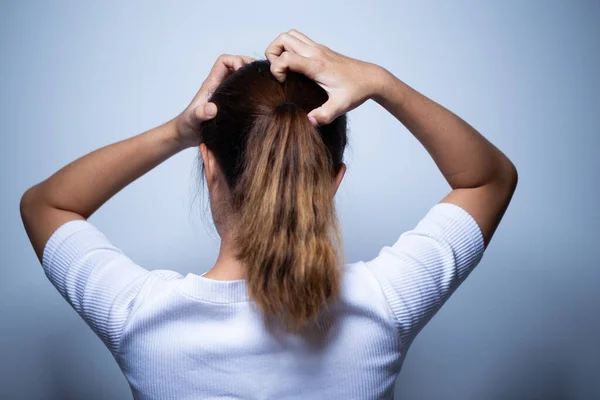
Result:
pixel 339 175
pixel 208 160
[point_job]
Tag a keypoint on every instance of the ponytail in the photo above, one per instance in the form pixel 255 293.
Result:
pixel 286 230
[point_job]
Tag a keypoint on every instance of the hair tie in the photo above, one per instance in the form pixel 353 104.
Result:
pixel 283 103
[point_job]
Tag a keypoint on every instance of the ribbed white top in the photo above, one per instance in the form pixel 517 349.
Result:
pixel 192 337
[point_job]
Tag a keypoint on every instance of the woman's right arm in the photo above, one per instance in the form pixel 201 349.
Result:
pixel 482 178
pixel 425 265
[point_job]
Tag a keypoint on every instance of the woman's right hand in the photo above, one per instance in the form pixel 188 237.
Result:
pixel 348 82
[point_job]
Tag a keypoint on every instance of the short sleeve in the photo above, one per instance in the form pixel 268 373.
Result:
pixel 424 267
pixel 95 277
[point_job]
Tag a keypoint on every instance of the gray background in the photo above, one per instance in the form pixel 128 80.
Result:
pixel 525 325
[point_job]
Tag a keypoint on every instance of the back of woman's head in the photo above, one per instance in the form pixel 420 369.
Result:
pixel 279 175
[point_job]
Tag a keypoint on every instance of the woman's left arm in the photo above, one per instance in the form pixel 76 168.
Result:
pixel 80 188
pixel 77 190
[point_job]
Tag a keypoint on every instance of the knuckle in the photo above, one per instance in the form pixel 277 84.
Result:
pixel 327 116
pixel 277 66
pixel 345 105
pixel 323 49
pixel 319 51
pixel 285 56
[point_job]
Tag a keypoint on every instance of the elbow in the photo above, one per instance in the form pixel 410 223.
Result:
pixel 512 175
pixel 507 178
pixel 29 200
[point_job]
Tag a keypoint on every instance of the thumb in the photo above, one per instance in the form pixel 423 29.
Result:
pixel 323 115
pixel 205 111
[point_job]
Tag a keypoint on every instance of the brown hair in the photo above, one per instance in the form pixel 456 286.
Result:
pixel 279 170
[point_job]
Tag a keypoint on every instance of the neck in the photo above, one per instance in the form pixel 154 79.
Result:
pixel 226 266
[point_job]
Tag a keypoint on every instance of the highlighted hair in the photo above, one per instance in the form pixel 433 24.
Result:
pixel 280 172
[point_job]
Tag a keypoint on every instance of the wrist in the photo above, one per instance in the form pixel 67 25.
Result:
pixel 384 84
pixel 171 136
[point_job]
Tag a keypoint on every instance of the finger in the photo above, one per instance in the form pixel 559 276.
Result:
pixel 292 61
pixel 248 59
pixel 221 69
pixel 232 62
pixel 325 114
pixel 225 63
pixel 302 37
pixel 236 64
pixel 287 42
pixel 204 112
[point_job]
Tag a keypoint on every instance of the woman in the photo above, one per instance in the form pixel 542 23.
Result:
pixel 277 316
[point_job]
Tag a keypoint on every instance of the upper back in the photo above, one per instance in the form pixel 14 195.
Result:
pixel 181 342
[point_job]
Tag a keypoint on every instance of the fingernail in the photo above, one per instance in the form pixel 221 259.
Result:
pixel 210 110
pixel 313 120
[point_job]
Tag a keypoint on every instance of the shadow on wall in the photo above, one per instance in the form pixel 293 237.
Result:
pixel 77 367
pixel 539 373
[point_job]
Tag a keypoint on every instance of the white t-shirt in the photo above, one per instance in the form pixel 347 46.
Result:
pixel 191 337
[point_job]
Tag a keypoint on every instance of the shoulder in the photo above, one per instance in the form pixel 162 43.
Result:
pixel 159 284
pixel 160 281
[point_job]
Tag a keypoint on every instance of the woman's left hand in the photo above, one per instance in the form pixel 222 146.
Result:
pixel 188 123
